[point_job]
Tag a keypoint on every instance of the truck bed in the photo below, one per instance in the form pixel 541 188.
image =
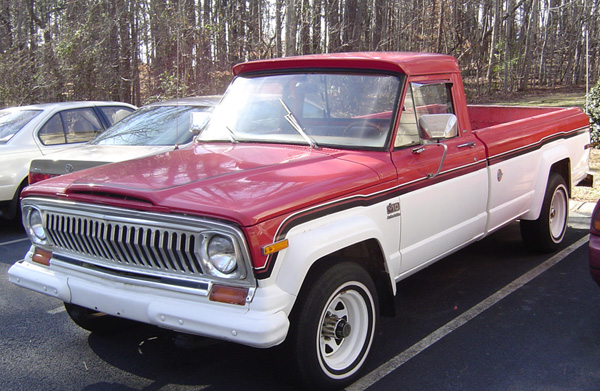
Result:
pixel 505 128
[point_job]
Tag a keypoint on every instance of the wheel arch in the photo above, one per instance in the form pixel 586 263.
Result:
pixel 555 160
pixel 369 255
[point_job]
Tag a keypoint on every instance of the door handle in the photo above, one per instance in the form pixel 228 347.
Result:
pixel 470 145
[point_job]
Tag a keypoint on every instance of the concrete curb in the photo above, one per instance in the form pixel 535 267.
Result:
pixel 580 213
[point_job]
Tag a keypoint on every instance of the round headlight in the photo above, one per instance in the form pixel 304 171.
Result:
pixel 36 225
pixel 221 254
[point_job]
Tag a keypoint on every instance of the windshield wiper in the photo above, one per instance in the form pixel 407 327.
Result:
pixel 230 134
pixel 291 119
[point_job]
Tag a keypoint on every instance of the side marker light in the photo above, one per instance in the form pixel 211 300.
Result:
pixel 275 247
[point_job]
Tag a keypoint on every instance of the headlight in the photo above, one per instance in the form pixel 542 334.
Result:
pixel 34 223
pixel 221 256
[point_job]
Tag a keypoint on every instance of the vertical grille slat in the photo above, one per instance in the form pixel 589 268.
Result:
pixel 102 245
pixel 145 248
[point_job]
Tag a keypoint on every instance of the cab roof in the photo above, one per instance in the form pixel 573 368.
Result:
pixel 398 62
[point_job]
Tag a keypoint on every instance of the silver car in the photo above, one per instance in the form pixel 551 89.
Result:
pixel 152 129
pixel 29 132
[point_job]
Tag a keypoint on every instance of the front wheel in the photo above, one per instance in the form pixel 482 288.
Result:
pixel 547 232
pixel 332 327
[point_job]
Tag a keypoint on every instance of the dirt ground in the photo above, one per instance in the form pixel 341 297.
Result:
pixel 590 194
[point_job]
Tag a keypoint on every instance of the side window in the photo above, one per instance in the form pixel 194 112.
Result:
pixel 53 133
pixel 81 125
pixel 407 134
pixel 422 98
pixel 71 126
pixel 432 98
pixel 114 114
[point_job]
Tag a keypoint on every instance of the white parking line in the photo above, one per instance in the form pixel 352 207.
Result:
pixel 385 369
pixel 13 241
pixel 57 310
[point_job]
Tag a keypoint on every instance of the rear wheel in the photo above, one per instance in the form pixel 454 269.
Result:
pixel 332 327
pixel 547 232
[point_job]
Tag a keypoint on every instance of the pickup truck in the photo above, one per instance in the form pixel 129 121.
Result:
pixel 319 183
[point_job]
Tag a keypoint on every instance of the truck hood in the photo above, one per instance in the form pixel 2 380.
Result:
pixel 247 183
pixel 91 156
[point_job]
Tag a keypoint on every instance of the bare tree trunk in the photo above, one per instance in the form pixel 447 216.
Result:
pixel 6 32
pixel 358 26
pixel 379 27
pixel 495 33
pixel 304 23
pixel 333 26
pixel 278 28
pixel 507 48
pixel 316 26
pixel 291 28
pixel 529 43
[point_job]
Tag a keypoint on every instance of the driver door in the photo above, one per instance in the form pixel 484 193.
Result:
pixel 443 182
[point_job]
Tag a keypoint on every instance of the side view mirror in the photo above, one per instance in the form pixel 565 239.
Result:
pixel 198 120
pixel 438 126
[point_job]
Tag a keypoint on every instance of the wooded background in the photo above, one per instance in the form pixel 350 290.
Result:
pixel 145 50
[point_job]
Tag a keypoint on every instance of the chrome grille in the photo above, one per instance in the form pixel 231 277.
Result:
pixel 127 246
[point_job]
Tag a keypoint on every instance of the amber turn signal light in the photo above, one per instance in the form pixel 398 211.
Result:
pixel 41 256
pixel 228 294
pixel 275 247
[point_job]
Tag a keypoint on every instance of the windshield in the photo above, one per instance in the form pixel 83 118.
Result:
pixel 152 125
pixel 316 109
pixel 13 120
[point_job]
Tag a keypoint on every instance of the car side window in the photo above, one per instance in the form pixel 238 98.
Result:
pixel 71 126
pixel 114 114
pixel 420 99
pixel 52 133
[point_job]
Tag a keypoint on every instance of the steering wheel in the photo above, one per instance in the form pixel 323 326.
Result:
pixel 362 129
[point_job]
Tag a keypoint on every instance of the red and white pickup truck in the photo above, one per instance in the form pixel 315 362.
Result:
pixel 319 183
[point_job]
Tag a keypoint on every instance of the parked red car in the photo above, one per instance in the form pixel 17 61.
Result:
pixel 595 244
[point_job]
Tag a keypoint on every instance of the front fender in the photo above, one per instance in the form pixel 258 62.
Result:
pixel 314 240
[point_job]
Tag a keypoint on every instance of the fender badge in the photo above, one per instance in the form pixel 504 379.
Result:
pixel 393 210
pixel 499 175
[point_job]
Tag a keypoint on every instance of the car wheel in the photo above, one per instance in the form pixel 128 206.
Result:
pixel 332 327
pixel 12 211
pixel 547 232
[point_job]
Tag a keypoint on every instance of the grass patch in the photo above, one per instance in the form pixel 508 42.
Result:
pixel 552 100
pixel 573 96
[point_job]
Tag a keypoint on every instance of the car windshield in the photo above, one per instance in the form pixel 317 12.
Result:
pixel 13 120
pixel 152 125
pixel 316 109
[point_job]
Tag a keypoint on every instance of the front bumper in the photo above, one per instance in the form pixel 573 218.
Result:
pixel 264 326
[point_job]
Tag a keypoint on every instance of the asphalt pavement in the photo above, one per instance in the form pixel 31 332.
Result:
pixel 544 335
